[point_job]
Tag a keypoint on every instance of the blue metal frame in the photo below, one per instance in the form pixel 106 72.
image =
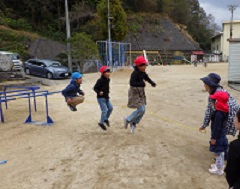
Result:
pixel 27 94
pixel 1 111
pixel 24 88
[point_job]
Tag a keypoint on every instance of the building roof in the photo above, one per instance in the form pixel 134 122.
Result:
pixel 162 36
pixel 228 22
pixel 217 35
pixel 198 52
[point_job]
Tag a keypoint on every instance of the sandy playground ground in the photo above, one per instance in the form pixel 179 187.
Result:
pixel 166 151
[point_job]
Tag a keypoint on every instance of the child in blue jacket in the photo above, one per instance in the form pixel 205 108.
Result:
pixel 70 92
pixel 219 142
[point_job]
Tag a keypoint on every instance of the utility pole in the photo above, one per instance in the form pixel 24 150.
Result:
pixel 109 38
pixel 68 36
pixel 232 8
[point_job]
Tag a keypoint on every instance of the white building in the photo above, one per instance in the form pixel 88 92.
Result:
pixel 220 43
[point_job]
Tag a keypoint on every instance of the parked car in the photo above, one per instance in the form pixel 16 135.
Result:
pixel 16 59
pixel 46 68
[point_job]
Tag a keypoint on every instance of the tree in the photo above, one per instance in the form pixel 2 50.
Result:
pixel 83 48
pixel 119 27
pixel 181 12
pixel 168 7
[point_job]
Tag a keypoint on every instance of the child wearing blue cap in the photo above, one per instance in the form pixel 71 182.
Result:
pixel 72 90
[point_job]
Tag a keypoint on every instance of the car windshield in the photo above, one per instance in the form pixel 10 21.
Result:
pixel 13 56
pixel 51 63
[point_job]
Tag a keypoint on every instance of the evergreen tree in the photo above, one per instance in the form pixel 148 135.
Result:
pixel 83 48
pixel 119 27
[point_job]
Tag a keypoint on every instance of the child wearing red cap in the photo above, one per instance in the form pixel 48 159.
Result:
pixel 219 142
pixel 102 89
pixel 136 94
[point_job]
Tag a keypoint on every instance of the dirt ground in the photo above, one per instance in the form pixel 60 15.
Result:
pixel 166 151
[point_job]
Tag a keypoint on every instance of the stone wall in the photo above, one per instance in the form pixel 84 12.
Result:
pixel 6 63
pixel 6 76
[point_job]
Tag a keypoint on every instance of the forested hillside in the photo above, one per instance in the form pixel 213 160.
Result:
pixel 47 17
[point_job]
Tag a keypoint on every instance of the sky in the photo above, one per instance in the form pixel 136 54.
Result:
pixel 219 9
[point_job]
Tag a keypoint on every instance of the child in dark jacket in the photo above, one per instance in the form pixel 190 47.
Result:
pixel 136 94
pixel 102 89
pixel 233 162
pixel 219 142
pixel 70 92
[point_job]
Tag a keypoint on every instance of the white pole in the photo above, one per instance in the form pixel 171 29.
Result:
pixel 68 36
pixel 145 54
pixel 109 38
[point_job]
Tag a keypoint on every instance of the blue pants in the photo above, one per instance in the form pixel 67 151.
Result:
pixel 106 108
pixel 137 115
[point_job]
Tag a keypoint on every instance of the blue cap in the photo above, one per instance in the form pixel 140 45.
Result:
pixel 76 75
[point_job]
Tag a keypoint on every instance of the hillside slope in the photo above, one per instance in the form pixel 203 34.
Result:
pixel 16 40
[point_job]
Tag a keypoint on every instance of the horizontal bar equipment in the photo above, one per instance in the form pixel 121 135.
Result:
pixel 28 94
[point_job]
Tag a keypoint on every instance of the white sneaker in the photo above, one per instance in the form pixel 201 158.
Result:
pixel 126 123
pixel 133 126
pixel 216 171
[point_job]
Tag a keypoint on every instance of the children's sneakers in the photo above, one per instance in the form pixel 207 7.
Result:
pixel 102 126
pixel 74 109
pixel 216 171
pixel 107 123
pixel 126 123
pixel 133 126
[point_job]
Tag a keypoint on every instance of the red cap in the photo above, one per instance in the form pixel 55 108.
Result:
pixel 140 60
pixel 221 101
pixel 104 69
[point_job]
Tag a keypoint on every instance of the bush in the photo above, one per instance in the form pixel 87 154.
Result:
pixel 19 24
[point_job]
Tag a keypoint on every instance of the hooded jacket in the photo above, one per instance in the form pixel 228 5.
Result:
pixel 219 122
pixel 221 103
pixel 136 93
pixel 102 84
pixel 138 78
pixel 71 90
pixel 219 131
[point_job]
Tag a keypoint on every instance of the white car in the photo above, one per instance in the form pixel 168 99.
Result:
pixel 16 59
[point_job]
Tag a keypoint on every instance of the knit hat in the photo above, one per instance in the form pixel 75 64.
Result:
pixel 104 69
pixel 221 101
pixel 140 60
pixel 212 80
pixel 76 75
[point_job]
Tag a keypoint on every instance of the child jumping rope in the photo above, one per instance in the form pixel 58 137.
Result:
pixel 136 94
pixel 70 92
pixel 102 90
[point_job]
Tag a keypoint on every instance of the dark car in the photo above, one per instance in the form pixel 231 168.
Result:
pixel 46 68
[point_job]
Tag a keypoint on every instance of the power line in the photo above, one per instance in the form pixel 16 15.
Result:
pixel 232 8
